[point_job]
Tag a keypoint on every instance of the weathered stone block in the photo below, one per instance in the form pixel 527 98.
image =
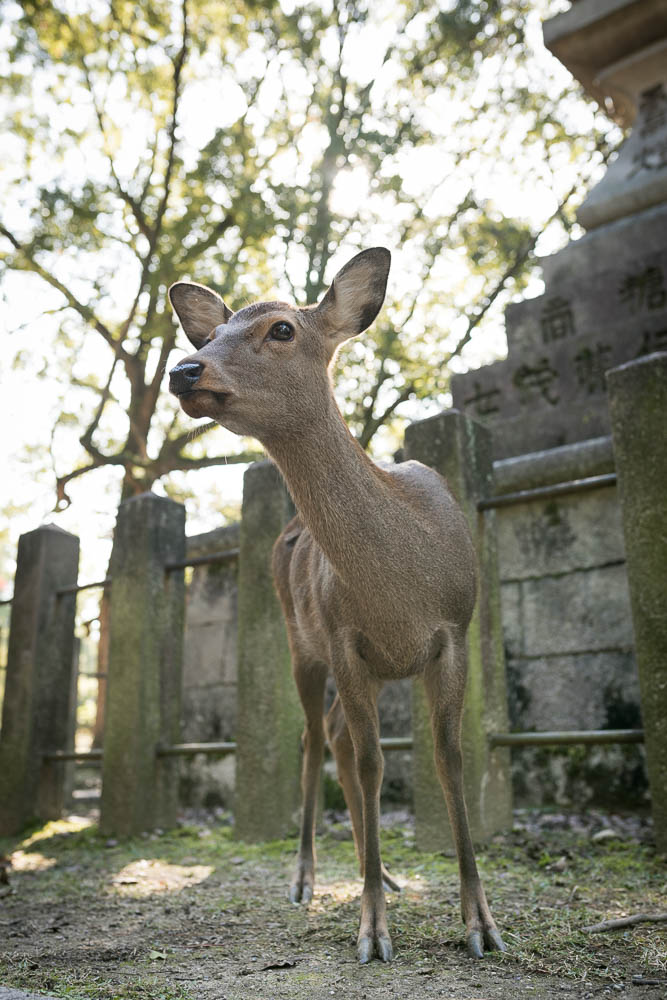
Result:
pixel 394 706
pixel 545 429
pixel 139 790
pixel 210 669
pixel 36 711
pixel 579 460
pixel 512 615
pixel 270 719
pixel 620 244
pixel 590 302
pixel 576 777
pixel 209 713
pixel 210 654
pixel 551 390
pixel 584 611
pixel 221 539
pixel 581 691
pixel 638 401
pixel 601 40
pixel 206 782
pixel 560 535
pixel 212 595
pixel 395 710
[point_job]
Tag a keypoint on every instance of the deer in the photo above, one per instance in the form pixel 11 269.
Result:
pixel 376 574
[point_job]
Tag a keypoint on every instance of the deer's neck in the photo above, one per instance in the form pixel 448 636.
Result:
pixel 375 538
pixel 344 499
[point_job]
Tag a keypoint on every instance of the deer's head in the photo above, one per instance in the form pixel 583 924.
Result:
pixel 262 371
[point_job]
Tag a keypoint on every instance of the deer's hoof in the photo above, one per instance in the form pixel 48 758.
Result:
pixel 367 948
pixel 300 892
pixel 494 941
pixel 475 946
pixel 478 939
pixel 385 952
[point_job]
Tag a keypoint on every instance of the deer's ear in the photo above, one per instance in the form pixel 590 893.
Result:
pixel 356 294
pixel 199 309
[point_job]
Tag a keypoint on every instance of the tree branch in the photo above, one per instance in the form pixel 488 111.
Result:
pixel 318 256
pixel 637 918
pixel 62 497
pixel 373 425
pixel 84 311
pixel 511 272
pixel 178 70
pixel 172 446
pixel 86 438
pixel 197 249
pixel 132 204
pixel 182 464
pixel 125 195
pixel 155 229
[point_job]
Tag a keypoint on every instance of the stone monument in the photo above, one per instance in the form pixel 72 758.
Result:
pixel 605 301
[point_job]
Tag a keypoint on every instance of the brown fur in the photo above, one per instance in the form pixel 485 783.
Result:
pixel 376 575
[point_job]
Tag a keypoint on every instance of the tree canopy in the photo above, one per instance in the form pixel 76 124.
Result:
pixel 245 145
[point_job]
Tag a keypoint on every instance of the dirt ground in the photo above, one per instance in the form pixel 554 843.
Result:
pixel 194 914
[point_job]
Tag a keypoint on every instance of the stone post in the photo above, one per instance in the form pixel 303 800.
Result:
pixel 638 405
pixel 40 660
pixel 269 720
pixel 460 450
pixel 144 669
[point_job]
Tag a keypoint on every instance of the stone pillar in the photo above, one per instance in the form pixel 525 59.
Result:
pixel 460 450
pixel 144 670
pixel 270 719
pixel 36 709
pixel 638 404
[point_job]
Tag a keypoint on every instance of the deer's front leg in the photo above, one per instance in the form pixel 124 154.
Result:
pixel 358 696
pixel 445 683
pixel 310 680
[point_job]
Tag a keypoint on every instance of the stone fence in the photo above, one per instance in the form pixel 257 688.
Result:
pixel 210 668
pixel 148 723
pixel 568 626
pixel 143 733
pixel 567 629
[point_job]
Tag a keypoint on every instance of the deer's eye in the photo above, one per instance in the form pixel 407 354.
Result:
pixel 281 331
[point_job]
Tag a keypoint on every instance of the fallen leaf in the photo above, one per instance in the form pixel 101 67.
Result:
pixel 605 834
pixel 281 964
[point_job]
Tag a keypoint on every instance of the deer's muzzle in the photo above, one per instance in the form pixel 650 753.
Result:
pixel 184 377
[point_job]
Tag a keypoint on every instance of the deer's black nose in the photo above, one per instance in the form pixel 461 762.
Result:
pixel 184 378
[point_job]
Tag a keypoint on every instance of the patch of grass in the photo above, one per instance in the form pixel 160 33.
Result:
pixel 79 926
pixel 82 986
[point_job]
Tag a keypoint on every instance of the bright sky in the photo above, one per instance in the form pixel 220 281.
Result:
pixel 29 404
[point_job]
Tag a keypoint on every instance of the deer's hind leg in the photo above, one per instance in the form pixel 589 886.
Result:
pixel 310 681
pixel 340 741
pixel 444 681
